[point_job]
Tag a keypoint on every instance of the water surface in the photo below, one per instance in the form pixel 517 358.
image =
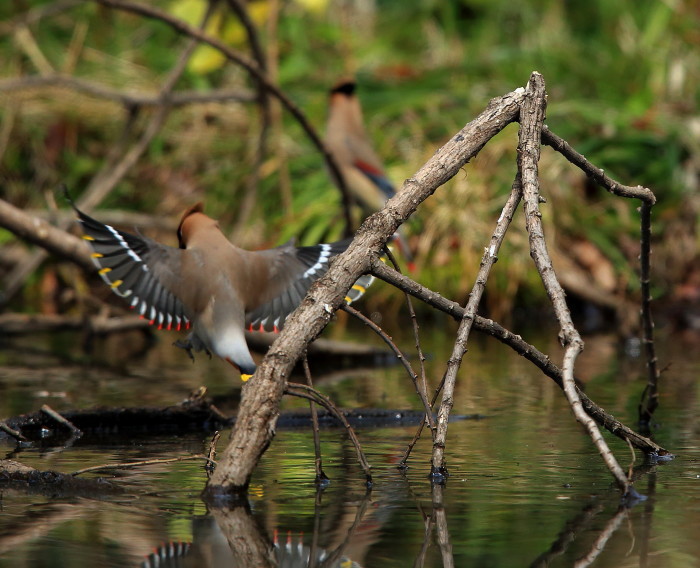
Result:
pixel 526 487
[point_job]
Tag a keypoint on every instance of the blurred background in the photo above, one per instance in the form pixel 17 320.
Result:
pixel 622 80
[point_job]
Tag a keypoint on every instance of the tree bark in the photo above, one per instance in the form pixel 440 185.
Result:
pixel 261 395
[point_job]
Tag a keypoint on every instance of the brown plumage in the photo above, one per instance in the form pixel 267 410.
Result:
pixel 362 169
pixel 208 284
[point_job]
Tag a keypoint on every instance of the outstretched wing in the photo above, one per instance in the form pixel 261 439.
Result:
pixel 138 269
pixel 293 271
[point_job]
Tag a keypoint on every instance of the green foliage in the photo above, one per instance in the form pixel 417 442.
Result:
pixel 622 80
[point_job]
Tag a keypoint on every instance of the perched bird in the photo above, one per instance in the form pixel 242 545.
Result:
pixel 209 285
pixel 349 143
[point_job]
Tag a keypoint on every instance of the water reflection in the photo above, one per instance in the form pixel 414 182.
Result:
pixel 526 488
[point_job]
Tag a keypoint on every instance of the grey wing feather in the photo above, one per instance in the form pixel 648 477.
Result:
pixel 138 269
pixel 293 272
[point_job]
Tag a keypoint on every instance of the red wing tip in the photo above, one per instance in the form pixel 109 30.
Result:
pixel 411 266
pixel 367 168
pixel 276 329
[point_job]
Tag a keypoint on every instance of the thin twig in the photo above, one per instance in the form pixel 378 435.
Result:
pixel 399 355
pixel 531 119
pixel 321 477
pixel 409 448
pixel 178 99
pixel 423 382
pixel 489 258
pixel 128 465
pixel 211 454
pixel 16 434
pixel 649 400
pixel 309 393
pixel 520 346
pixel 249 65
pixel 650 397
pixel 46 409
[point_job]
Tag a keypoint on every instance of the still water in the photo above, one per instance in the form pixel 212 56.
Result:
pixel 526 487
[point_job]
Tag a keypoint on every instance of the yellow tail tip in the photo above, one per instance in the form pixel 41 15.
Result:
pixel 244 377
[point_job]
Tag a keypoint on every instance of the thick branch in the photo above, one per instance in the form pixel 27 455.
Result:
pixel 261 395
pixel 39 232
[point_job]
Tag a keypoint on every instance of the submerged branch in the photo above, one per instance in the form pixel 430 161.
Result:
pixel 399 355
pixel 309 393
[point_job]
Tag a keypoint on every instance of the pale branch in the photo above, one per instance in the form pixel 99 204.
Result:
pixel 649 400
pixel 114 217
pixel 532 115
pixel 399 355
pixel 127 99
pixel 16 434
pixel 50 412
pixel 489 258
pixel 442 532
pixel 309 393
pixel 515 342
pixel 39 232
pixel 261 395
pixel 601 541
pixel 251 67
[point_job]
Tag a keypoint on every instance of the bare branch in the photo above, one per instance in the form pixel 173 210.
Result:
pixel 308 392
pixel 129 465
pixel 515 342
pixel 127 99
pixel 247 64
pixel 261 395
pixel 399 355
pixel 438 468
pixel 40 232
pixel 531 120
